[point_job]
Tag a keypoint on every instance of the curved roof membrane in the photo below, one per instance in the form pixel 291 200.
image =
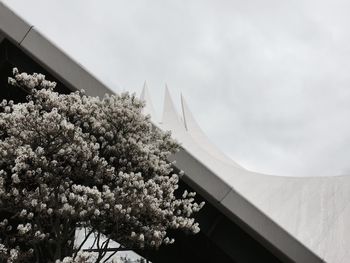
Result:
pixel 313 210
pixel 305 218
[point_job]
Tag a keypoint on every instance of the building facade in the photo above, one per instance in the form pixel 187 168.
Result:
pixel 249 217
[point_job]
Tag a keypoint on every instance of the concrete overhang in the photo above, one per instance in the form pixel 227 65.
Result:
pixel 62 66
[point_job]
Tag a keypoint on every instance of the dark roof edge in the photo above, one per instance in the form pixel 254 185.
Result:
pixel 243 212
pixel 62 66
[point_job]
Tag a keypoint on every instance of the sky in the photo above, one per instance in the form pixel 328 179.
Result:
pixel 268 81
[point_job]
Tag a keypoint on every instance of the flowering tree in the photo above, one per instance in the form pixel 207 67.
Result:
pixel 73 161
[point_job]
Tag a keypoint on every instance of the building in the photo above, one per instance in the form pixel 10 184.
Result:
pixel 249 217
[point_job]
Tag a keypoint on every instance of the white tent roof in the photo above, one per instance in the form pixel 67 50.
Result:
pixel 314 211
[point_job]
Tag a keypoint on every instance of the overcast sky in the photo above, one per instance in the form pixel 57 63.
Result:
pixel 268 81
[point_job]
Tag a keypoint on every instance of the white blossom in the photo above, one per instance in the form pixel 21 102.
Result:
pixel 71 160
pixel 23 229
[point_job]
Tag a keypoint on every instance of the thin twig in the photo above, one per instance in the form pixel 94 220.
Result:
pixel 115 252
pixel 85 239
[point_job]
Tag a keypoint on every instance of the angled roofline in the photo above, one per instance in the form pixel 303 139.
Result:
pixel 202 176
pixel 36 45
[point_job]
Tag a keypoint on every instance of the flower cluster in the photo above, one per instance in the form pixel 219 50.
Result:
pixel 81 257
pixel 69 161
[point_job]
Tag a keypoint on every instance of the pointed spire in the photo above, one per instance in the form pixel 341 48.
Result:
pixel 144 91
pixel 187 115
pixel 200 137
pixel 148 109
pixel 189 120
pixel 170 116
